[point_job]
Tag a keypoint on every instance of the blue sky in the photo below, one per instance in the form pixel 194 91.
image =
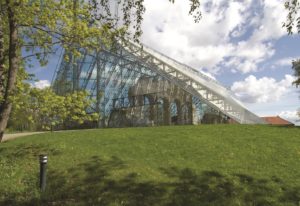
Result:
pixel 240 43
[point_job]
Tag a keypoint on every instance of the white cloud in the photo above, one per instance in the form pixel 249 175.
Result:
pixel 210 43
pixel 290 116
pixel 242 65
pixel 270 26
pixel 285 61
pixel 200 45
pixel 246 56
pixel 265 89
pixel 41 84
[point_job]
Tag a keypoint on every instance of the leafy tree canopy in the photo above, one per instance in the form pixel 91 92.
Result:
pixel 38 28
pixel 42 109
pixel 292 25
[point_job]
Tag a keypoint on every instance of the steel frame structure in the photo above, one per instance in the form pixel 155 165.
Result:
pixel 140 79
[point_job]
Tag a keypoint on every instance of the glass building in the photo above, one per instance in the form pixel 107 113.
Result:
pixel 134 85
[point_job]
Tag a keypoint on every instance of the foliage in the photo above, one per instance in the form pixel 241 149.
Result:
pixel 20 97
pixel 76 105
pixel 42 109
pixel 21 117
pixel 293 24
pixel 293 18
pixel 184 165
pixel 34 28
pixel 45 26
pixel 296 68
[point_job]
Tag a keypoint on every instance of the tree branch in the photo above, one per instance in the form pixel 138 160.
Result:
pixel 38 53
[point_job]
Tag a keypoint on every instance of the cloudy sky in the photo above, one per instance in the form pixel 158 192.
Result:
pixel 240 43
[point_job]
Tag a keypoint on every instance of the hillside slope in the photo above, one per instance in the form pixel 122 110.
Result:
pixel 180 165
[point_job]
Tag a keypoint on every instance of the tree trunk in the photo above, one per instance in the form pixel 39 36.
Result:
pixel 13 61
pixel 1 59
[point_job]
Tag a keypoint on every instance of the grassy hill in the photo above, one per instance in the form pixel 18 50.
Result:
pixel 180 165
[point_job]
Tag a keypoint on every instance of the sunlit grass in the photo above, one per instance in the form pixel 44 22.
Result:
pixel 180 165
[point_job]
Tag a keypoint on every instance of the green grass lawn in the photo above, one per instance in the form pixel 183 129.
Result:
pixel 180 165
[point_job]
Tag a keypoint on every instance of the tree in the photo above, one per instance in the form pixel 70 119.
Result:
pixel 77 105
pixel 46 109
pixel 296 68
pixel 38 28
pixel 293 24
pixel 293 19
pixel 42 109
pixel 20 116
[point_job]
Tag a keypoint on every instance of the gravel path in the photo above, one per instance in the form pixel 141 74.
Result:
pixel 17 135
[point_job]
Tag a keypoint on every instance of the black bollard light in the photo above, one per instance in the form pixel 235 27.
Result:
pixel 43 167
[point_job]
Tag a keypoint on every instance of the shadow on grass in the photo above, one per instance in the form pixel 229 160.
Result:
pixel 23 151
pixel 92 183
